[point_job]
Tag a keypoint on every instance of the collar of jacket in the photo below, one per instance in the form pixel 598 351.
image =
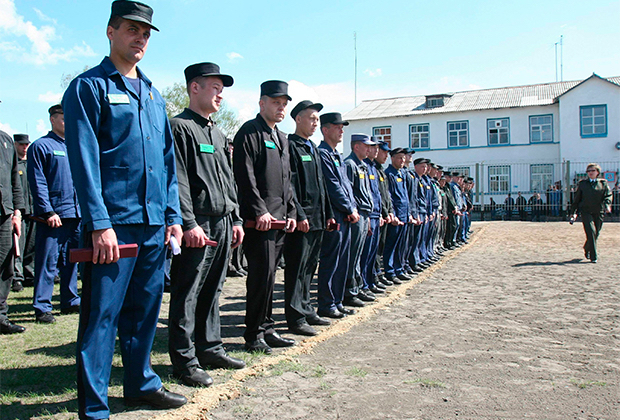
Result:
pixel 355 159
pixel 199 118
pixel 298 139
pixel 54 136
pixel 326 146
pixel 111 70
pixel 264 125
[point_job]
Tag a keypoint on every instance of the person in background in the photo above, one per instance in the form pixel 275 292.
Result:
pixel 593 199
pixel 521 203
pixel 509 204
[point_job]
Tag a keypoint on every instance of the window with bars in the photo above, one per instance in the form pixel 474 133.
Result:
pixel 458 134
pixel 498 130
pixel 541 128
pixel 541 177
pixel 419 136
pixel 593 120
pixel 499 179
pixel 463 170
pixel 383 133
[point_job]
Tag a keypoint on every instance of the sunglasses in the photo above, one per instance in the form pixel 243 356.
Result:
pixel 591 170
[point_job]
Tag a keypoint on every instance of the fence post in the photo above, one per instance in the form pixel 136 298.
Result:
pixel 566 188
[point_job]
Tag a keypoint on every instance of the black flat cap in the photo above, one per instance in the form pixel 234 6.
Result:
pixel 206 70
pixel 21 138
pixel 439 167
pixel 454 174
pixel 55 109
pixel 133 10
pixel 421 160
pixel 274 89
pixel 305 105
pixel 397 150
pixel 333 118
pixel 447 173
pixel 409 151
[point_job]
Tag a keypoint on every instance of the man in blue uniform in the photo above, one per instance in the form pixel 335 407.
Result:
pixel 336 246
pixel 55 202
pixel 387 211
pixel 121 153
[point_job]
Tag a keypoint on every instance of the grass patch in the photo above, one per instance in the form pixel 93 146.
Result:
pixel 243 410
pixel 356 371
pixel 249 358
pixel 319 371
pixel 586 384
pixel 287 366
pixel 427 383
pixel 324 386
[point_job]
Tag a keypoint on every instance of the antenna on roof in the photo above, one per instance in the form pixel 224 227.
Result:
pixel 561 58
pixel 355 50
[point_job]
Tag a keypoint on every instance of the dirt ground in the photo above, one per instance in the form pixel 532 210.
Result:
pixel 514 325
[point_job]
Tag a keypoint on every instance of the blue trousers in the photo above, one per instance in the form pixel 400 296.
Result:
pixel 124 296
pixel 369 254
pixel 393 252
pixel 333 265
pixel 359 231
pixel 412 249
pixel 51 258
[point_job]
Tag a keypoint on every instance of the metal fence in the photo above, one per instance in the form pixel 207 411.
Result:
pixel 532 191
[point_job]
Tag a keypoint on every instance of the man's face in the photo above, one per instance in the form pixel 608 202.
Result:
pixel 129 41
pixel 398 160
pixel 58 124
pixel 421 168
pixel 208 93
pixel 333 133
pixel 408 159
pixel 382 156
pixel 442 182
pixel 432 172
pixel 372 152
pixel 360 149
pixel 21 149
pixel 273 109
pixel 307 122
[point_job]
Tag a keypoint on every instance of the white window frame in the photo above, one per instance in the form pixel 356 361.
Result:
pixel 419 136
pixel 541 180
pixel 541 128
pixel 386 137
pixel 593 120
pixel 498 175
pixel 459 130
pixel 498 131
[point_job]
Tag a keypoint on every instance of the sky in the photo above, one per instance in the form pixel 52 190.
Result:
pixel 404 48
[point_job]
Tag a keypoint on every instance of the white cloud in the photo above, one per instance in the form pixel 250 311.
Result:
pixel 233 56
pixel 40 51
pixel 7 129
pixel 373 73
pixel 42 127
pixel 42 16
pixel 50 97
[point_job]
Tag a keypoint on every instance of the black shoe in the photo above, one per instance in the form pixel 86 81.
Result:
pixel 258 346
pixel 369 294
pixel 302 329
pixel 395 280
pixel 45 318
pixel 233 273
pixel 162 398
pixel 346 311
pixel 380 285
pixel 409 270
pixel 17 286
pixel 223 361
pixel 593 261
pixel 276 340
pixel 194 376
pixel 387 282
pixel 75 309
pixel 353 301
pixel 7 327
pixel 242 271
pixel 317 320
pixel 376 289
pixel 403 276
pixel 332 313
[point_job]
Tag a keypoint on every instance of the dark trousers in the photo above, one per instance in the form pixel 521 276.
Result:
pixel 263 251
pixel 450 230
pixel 24 264
pixel 334 263
pixel 196 280
pixel 412 254
pixel 6 263
pixel 301 253
pixel 369 254
pixel 359 231
pixel 123 296
pixel 592 225
pixel 393 252
pixel 380 249
pixel 52 257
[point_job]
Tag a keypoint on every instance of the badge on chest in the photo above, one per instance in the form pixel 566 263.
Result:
pixel 207 148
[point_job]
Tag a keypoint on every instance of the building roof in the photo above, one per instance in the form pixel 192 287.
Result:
pixel 471 100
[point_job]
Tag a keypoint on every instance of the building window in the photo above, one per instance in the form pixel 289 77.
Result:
pixel 593 121
pixel 499 179
pixel 434 102
pixel 419 136
pixel 541 128
pixel 383 133
pixel 458 134
pixel 463 170
pixel 541 177
pixel 498 130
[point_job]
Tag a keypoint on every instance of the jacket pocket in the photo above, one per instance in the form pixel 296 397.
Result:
pixel 114 186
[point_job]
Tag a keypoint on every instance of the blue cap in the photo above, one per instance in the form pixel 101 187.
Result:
pixel 364 138
pixel 409 150
pixel 384 146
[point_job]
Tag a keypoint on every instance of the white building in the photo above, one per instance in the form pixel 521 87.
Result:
pixel 522 138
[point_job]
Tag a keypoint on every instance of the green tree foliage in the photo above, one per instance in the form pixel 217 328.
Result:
pixel 177 100
pixel 66 79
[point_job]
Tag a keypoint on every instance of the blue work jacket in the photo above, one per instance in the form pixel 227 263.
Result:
pixel 412 192
pixel 373 179
pixel 49 176
pixel 398 191
pixel 357 172
pixel 458 195
pixel 338 185
pixel 422 195
pixel 121 150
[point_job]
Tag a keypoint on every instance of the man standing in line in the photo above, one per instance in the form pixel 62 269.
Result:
pixel 387 210
pixel 55 201
pixel 209 208
pixel 11 204
pixel 24 264
pixel 458 198
pixel 336 246
pixel 357 172
pixel 452 211
pixel 121 153
pixel 262 168
pixel 314 215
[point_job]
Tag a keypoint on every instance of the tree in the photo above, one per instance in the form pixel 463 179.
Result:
pixel 65 79
pixel 177 100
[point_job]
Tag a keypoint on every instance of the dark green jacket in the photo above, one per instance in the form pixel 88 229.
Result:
pixel 592 199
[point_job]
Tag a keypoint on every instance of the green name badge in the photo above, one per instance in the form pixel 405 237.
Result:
pixel 121 98
pixel 59 153
pixel 306 158
pixel 336 162
pixel 270 144
pixel 207 148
